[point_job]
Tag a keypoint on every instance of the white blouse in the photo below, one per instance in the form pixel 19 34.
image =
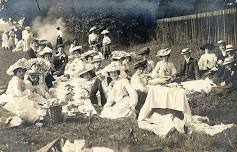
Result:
pixel 138 83
pixel 93 37
pixel 118 90
pixel 106 40
pixel 207 61
pixel 164 69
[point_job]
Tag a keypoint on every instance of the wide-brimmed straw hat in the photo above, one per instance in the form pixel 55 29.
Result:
pixel 46 50
pixel 230 48
pixel 112 67
pixel 163 52
pixel 76 48
pixel 21 63
pixel 60 45
pixel 92 29
pixel 221 42
pixel 97 58
pixel 229 60
pixel 105 32
pixel 44 65
pixel 186 51
pixel 140 64
pixel 33 72
pixel 87 68
pixel 145 50
pixel 118 54
pixel 91 53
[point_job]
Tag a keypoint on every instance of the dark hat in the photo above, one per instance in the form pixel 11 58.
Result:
pixel 58 28
pixel 145 50
pixel 141 63
pixel 207 46
pixel 60 45
pixel 43 42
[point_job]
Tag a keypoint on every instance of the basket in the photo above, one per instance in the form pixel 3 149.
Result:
pixel 54 114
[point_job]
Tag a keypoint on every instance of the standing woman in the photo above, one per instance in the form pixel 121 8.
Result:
pixel 122 98
pixel 11 40
pixel 93 37
pixel 5 42
pixel 106 44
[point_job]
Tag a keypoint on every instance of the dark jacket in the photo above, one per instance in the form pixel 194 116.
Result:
pixel 189 71
pixel 60 64
pixel 97 86
pixel 220 56
pixel 30 54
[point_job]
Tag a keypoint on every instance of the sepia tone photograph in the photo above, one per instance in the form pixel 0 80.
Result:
pixel 118 75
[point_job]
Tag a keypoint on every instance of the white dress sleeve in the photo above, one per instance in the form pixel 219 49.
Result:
pixel 132 94
pixel 155 71
pixel 137 84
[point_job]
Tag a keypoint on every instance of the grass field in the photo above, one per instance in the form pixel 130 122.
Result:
pixel 124 134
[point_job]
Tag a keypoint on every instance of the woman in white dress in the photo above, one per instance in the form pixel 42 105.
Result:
pixel 122 98
pixel 19 99
pixel 93 37
pixel 5 42
pixel 72 68
pixel 165 71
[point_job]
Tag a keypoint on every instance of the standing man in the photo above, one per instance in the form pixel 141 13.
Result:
pixel 59 36
pixel 106 44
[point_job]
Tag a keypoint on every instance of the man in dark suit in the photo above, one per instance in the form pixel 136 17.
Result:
pixel 221 55
pixel 30 53
pixel 189 68
pixel 60 60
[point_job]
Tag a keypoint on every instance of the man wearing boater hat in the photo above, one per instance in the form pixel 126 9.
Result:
pixel 189 68
pixel 144 54
pixel 221 54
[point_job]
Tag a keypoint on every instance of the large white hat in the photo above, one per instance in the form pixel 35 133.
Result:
pixel 44 64
pixel 92 29
pixel 21 63
pixel 112 67
pixel 186 51
pixel 163 52
pixel 230 47
pixel 228 60
pixel 97 58
pixel 118 54
pixel 27 28
pixel 34 72
pixel 89 53
pixel 221 42
pixel 46 50
pixel 76 48
pixel 105 32
pixel 87 68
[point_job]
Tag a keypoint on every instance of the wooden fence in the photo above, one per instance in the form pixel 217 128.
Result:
pixel 199 28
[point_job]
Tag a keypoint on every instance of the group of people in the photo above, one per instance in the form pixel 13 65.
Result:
pixel 79 77
pixel 17 39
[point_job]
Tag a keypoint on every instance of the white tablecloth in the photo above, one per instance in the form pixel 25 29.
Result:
pixel 165 98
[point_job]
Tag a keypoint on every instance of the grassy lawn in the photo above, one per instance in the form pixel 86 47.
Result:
pixel 124 134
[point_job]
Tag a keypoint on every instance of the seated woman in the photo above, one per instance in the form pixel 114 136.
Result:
pixel 118 58
pixel 47 54
pixel 19 99
pixel 138 80
pixel 189 68
pixel 227 79
pixel 127 64
pixel 144 54
pixel 83 87
pixel 60 61
pixel 165 71
pixel 72 68
pixel 207 60
pixel 122 98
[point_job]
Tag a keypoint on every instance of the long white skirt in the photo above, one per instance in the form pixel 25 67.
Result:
pixel 118 110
